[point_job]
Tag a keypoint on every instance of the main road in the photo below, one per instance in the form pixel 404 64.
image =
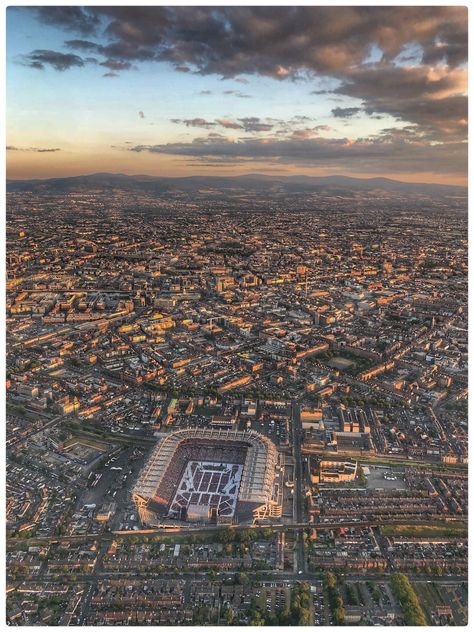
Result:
pixel 264 576
pixel 298 508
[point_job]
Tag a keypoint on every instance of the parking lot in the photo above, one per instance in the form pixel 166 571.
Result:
pixel 385 478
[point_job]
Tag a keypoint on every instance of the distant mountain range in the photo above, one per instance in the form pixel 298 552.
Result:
pixel 329 185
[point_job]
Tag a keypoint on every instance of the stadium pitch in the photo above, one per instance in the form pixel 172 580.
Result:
pixel 206 488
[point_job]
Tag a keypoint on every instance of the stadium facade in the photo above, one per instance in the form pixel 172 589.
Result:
pixel 208 475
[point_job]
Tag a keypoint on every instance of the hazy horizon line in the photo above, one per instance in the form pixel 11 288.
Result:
pixel 240 175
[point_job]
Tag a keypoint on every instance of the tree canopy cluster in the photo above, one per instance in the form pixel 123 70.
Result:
pixel 335 600
pixel 297 613
pixel 403 591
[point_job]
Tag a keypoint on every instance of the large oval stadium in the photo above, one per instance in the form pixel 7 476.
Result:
pixel 205 475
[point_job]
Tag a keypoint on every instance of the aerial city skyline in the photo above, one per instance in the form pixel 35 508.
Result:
pixel 236 316
pixel 356 91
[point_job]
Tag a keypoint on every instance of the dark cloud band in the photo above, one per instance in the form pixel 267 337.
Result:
pixel 275 41
pixel 398 153
pixel 39 150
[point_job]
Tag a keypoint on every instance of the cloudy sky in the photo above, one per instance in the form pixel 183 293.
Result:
pixel 360 91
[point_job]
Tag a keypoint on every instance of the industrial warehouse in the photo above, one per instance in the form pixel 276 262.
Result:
pixel 206 475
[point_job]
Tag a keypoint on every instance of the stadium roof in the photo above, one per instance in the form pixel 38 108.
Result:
pixel 259 468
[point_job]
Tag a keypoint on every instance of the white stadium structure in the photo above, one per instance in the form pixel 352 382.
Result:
pixel 207 475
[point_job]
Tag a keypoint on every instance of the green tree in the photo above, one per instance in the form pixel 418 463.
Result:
pixel 408 599
pixel 229 616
